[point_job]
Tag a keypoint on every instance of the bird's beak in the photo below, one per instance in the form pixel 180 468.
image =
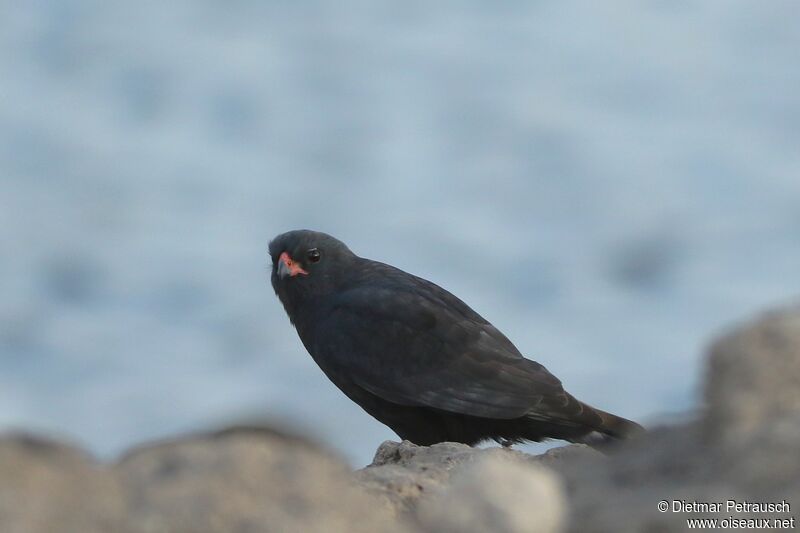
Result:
pixel 288 267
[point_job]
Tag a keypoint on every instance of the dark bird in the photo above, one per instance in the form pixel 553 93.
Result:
pixel 417 358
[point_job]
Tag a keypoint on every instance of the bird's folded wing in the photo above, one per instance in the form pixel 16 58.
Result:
pixel 409 349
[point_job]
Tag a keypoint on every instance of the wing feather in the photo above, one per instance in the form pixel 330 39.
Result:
pixel 409 345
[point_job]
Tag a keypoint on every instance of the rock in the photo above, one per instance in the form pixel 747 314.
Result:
pixel 753 380
pixel 499 493
pixel 743 447
pixel 402 472
pixel 248 481
pixel 447 486
pixel 753 402
pixel 561 455
pixel 620 492
pixel 46 486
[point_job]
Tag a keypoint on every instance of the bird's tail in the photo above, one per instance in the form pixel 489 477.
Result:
pixel 612 428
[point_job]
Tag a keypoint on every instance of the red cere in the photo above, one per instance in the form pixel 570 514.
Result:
pixel 292 265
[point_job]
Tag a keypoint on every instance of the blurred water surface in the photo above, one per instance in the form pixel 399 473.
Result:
pixel 607 183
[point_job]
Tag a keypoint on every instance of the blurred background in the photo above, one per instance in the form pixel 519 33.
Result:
pixel 608 183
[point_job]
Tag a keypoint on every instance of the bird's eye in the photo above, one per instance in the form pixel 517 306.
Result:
pixel 314 255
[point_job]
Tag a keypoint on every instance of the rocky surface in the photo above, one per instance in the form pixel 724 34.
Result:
pixel 47 486
pixel 244 480
pixel 247 481
pixel 743 445
pixel 496 493
pixel 403 474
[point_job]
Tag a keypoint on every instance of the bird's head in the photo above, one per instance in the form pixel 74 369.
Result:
pixel 307 264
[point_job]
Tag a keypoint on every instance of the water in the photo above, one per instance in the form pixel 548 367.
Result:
pixel 608 184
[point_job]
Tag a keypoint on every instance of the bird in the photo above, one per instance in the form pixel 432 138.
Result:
pixel 417 358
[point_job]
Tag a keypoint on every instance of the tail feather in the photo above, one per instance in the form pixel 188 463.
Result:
pixel 618 427
pixel 612 428
pixel 574 421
